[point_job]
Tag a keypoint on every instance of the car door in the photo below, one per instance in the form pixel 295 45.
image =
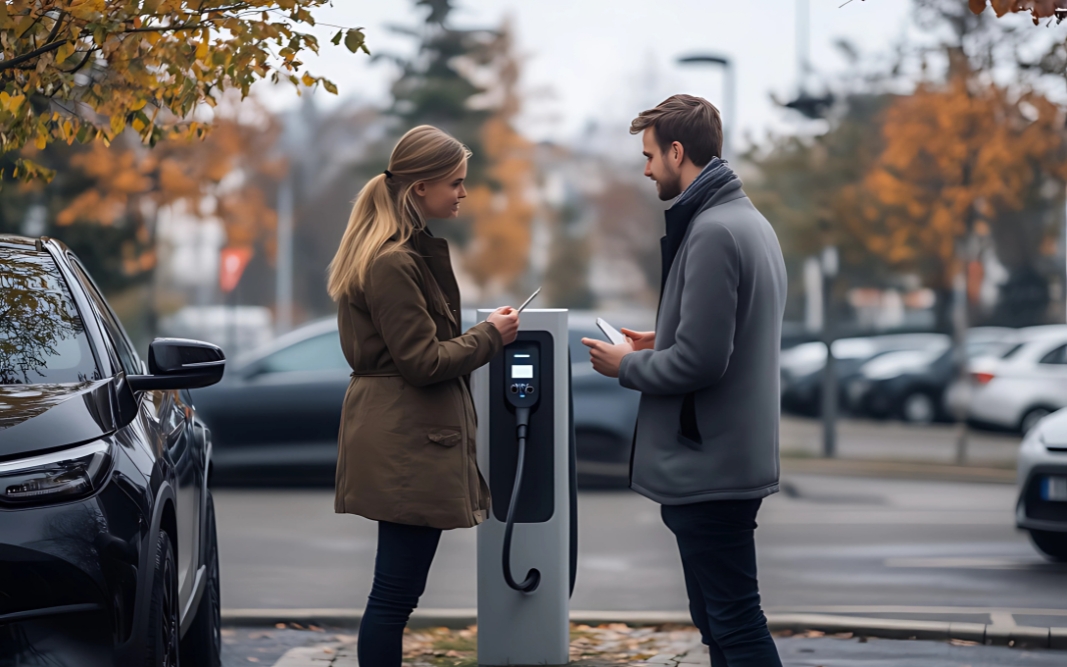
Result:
pixel 605 413
pixel 284 409
pixel 166 421
pixel 1050 373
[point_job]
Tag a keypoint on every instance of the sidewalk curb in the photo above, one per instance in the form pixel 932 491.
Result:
pixel 898 470
pixel 884 628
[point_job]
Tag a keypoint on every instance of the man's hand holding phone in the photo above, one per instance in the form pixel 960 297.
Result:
pixel 640 340
pixel 606 357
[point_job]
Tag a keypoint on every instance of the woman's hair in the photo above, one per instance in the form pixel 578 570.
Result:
pixel 385 215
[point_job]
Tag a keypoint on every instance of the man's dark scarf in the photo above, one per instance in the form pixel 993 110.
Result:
pixel 714 181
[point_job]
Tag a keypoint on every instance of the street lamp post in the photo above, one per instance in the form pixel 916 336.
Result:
pixel 829 267
pixel 729 94
pixel 283 297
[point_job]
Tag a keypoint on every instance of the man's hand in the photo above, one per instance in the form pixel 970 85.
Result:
pixel 606 357
pixel 641 340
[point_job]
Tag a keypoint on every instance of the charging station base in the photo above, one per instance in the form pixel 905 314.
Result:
pixel 516 628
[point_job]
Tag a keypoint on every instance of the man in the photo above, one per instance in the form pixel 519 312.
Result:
pixel 706 446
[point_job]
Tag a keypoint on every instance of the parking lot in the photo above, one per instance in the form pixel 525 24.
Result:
pixel 847 544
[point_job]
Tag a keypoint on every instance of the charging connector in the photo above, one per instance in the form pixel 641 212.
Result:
pixel 533 577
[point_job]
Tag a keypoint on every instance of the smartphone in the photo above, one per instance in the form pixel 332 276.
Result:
pixel 613 334
pixel 527 302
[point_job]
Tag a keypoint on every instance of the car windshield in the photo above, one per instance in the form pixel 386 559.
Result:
pixel 320 353
pixel 1010 352
pixel 42 337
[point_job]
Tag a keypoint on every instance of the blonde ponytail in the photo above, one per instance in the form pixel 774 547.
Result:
pixel 384 216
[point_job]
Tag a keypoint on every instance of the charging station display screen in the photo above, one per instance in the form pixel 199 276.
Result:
pixel 522 372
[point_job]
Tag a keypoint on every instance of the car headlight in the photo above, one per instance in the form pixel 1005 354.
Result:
pixel 64 475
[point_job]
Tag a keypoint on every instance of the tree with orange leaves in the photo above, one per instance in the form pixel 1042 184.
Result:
pixel 228 171
pixel 500 209
pixel 106 199
pixel 960 158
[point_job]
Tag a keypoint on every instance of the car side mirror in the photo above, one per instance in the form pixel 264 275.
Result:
pixel 177 363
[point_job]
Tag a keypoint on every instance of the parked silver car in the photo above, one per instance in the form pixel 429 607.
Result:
pixel 1023 385
pixel 1042 506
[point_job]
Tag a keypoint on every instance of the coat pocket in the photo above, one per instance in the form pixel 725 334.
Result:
pixel 446 437
pixel 688 429
pixel 690 443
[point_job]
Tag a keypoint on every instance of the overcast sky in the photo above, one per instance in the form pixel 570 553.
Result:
pixel 604 60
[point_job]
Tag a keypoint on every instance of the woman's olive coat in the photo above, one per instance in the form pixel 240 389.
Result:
pixel 406 449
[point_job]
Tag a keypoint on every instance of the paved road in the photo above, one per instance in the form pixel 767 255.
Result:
pixel 891 548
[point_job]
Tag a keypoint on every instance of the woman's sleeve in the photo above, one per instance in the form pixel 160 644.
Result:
pixel 399 312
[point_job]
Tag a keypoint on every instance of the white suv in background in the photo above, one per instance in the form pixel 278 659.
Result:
pixel 1023 386
pixel 1042 506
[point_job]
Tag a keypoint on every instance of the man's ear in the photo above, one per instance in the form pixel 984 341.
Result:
pixel 677 154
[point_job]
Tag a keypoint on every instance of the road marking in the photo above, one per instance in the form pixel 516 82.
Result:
pixel 967 563
pixel 913 609
pixel 1002 619
pixel 442 615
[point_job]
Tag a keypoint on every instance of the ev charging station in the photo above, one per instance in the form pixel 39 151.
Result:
pixel 527 548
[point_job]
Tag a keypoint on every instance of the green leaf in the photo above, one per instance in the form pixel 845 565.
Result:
pixel 329 86
pixel 337 38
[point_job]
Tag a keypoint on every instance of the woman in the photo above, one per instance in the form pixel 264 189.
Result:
pixel 406 450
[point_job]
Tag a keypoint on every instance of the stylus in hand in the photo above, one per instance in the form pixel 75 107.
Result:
pixel 527 301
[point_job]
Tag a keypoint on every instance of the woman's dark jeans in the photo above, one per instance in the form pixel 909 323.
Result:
pixel 404 557
pixel 717 543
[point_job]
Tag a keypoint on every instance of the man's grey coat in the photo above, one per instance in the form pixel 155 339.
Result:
pixel 707 428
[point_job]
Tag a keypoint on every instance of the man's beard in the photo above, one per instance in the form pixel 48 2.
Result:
pixel 670 186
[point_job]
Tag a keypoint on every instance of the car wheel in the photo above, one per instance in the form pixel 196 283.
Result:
pixel 164 619
pixel 202 644
pixel 1031 418
pixel 918 408
pixel 1053 545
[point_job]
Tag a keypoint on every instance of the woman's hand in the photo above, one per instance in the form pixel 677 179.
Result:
pixel 506 321
pixel 641 340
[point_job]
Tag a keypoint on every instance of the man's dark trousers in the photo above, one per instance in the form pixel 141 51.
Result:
pixel 717 542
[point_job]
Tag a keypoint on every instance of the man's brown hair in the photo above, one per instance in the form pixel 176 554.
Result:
pixel 692 121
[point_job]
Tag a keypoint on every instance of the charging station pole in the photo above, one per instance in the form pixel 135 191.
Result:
pixel 523 402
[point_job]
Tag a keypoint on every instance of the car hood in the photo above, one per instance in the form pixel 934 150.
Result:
pixel 1053 429
pixel 39 417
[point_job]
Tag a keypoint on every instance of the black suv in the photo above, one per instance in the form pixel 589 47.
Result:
pixel 107 529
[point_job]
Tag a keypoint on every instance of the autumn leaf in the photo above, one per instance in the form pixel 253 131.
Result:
pixel 356 41
pixel 1038 9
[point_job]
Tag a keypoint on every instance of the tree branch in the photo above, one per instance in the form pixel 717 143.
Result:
pixel 85 60
pixel 14 62
pixel 55 28
pixel 166 28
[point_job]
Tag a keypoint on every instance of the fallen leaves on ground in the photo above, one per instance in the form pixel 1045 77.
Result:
pixel 602 645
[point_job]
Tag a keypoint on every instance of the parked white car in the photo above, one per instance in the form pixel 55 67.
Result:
pixel 1042 506
pixel 1023 385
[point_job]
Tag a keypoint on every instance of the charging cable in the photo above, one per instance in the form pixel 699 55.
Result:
pixel 533 577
